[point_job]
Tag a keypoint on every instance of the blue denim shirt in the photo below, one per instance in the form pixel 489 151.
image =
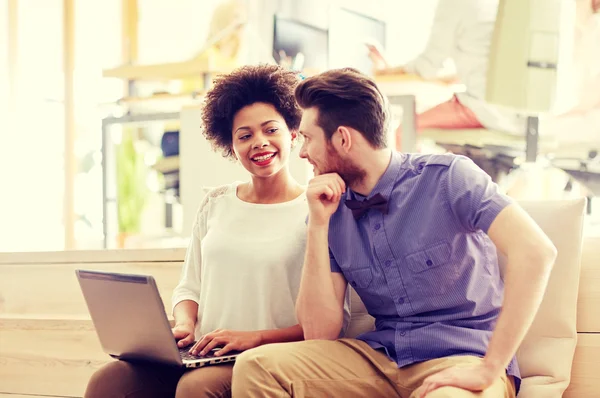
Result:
pixel 426 271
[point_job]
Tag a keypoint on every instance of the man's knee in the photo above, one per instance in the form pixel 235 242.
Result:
pixel 263 371
pixel 268 361
pixel 261 359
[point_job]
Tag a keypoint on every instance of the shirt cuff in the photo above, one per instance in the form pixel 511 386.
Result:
pixel 181 297
pixel 493 208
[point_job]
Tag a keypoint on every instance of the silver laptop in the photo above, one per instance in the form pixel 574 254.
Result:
pixel 131 323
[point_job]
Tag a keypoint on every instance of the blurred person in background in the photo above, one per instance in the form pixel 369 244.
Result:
pixel 462 32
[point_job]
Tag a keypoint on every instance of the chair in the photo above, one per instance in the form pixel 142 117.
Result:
pixel 545 357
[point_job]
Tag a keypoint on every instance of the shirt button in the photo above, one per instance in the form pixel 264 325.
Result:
pixel 403 333
pixel 353 283
pixel 400 300
pixel 377 226
pixel 388 263
pixel 429 263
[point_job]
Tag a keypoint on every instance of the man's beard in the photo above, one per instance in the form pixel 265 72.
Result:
pixel 349 172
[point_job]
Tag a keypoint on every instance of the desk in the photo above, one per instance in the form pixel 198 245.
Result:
pixel 401 89
pixel 428 93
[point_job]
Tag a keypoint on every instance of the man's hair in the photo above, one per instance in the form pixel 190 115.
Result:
pixel 346 97
pixel 245 86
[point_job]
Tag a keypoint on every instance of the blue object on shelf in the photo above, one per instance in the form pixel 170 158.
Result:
pixel 169 143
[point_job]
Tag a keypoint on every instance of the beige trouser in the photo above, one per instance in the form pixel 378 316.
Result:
pixel 121 379
pixel 343 368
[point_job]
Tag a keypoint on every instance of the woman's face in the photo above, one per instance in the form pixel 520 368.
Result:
pixel 261 140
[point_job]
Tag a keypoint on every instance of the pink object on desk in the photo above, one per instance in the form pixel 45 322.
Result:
pixel 447 115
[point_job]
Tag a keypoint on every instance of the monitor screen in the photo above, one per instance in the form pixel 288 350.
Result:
pixel 300 46
pixel 348 33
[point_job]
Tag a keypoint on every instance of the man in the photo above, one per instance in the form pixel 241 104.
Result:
pixel 416 237
pixel 462 31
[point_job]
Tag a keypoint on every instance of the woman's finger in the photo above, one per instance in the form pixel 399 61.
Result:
pixel 187 340
pixel 225 350
pixel 201 343
pixel 213 344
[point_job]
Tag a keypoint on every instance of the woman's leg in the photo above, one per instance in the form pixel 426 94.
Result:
pixel 447 115
pixel 133 380
pixel 206 382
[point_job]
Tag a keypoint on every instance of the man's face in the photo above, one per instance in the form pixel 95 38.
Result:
pixel 320 152
pixel 315 147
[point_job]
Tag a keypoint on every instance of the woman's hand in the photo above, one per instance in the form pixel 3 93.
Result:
pixel 228 339
pixel 184 334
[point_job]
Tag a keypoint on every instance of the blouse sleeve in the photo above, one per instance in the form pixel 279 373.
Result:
pixel 190 278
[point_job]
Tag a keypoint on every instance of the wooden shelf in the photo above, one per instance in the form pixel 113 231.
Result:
pixel 191 96
pixel 167 165
pixel 194 68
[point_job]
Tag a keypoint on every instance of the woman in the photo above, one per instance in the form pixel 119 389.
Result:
pixel 242 270
pixel 462 32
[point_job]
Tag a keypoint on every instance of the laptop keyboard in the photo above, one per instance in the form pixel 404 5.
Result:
pixel 185 354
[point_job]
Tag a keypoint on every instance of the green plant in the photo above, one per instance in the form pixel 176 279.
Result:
pixel 131 183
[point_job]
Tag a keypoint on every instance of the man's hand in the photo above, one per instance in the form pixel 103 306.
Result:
pixel 228 339
pixel 323 195
pixel 468 377
pixel 184 334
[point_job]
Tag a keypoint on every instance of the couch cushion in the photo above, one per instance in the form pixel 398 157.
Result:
pixel 546 354
pixel 361 321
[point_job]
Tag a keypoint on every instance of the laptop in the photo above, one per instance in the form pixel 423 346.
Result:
pixel 131 322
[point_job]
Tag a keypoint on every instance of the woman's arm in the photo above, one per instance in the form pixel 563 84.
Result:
pixel 231 340
pixel 187 293
pixel 286 335
pixel 186 315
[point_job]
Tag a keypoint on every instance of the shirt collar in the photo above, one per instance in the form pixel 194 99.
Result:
pixel 386 183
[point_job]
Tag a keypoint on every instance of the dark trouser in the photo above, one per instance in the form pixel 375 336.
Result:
pixel 120 379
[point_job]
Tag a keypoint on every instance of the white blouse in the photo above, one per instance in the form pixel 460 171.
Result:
pixel 244 262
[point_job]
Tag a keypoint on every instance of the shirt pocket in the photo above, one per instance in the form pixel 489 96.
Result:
pixel 432 269
pixel 361 280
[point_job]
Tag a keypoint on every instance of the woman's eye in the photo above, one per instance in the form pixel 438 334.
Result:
pixel 243 137
pixel 272 131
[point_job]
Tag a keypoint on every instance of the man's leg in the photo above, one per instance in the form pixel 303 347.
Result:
pixel 414 375
pixel 316 368
pixel 125 379
pixel 206 382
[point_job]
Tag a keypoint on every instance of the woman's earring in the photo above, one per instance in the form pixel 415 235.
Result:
pixel 294 140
